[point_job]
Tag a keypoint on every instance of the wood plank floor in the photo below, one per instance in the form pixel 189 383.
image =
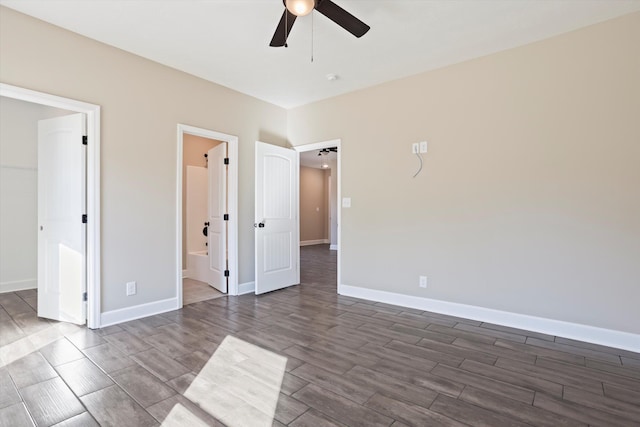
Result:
pixel 304 356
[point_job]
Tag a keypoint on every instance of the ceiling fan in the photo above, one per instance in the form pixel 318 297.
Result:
pixel 295 8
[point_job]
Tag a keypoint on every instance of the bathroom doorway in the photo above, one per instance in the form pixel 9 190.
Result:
pixel 207 227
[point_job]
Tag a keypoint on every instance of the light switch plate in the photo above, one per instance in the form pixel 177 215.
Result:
pixel 346 202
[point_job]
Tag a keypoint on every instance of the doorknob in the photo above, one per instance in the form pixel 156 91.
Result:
pixel 260 224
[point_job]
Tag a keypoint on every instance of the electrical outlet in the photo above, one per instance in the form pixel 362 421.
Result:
pixel 423 281
pixel 131 288
pixel 423 146
pixel 415 148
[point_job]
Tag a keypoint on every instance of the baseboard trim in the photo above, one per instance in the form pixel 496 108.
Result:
pixel 576 331
pixel 333 247
pixel 314 242
pixel 246 288
pixel 18 285
pixel 113 317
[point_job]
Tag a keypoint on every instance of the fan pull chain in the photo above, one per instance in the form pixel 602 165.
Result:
pixel 312 37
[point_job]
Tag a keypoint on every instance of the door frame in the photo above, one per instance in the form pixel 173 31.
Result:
pixel 320 146
pixel 92 112
pixel 232 207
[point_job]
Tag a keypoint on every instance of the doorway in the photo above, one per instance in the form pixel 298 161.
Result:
pixel 207 215
pixel 91 262
pixel 323 161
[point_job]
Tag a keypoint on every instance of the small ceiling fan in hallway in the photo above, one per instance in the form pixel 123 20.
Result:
pixel 295 8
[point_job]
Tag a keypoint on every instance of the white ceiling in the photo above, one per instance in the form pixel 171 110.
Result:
pixel 227 41
pixel 311 159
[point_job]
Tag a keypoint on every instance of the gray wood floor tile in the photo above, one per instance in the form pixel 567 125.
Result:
pixel 338 384
pixel 127 343
pixel 313 418
pixel 459 333
pixel 83 420
pixel 417 377
pixel 289 409
pixel 30 370
pixel 291 383
pixel 392 387
pixel 592 354
pixel 145 388
pixel 15 415
pixel 389 333
pixel 160 365
pixel 424 333
pixel 630 362
pixel 430 354
pixel 494 350
pixel 585 414
pixel 109 358
pixel 83 377
pixel 517 331
pixel 178 411
pixel 622 394
pixel 540 351
pixel 602 403
pixel 111 406
pixel 399 357
pixel 337 407
pixel 30 323
pixel 479 330
pixel 625 371
pixel 169 346
pixel 85 338
pixel 470 414
pixel 328 362
pixel 8 393
pixel 10 331
pixel 503 389
pixel 597 347
pixel 520 411
pixel 61 351
pixel 550 374
pixel 587 373
pixel 531 382
pixel 51 401
pixel 413 415
pixel 466 349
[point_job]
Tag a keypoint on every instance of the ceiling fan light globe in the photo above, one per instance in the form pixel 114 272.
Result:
pixel 300 7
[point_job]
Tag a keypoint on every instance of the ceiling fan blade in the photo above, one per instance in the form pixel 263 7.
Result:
pixel 280 36
pixel 342 17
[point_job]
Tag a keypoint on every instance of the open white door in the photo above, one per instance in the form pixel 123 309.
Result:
pixel 217 226
pixel 62 228
pixel 276 229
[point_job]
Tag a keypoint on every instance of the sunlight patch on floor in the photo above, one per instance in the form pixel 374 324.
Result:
pixel 239 385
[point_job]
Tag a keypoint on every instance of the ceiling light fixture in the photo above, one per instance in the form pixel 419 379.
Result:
pixel 300 7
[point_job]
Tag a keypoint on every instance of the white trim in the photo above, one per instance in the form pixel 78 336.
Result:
pixel 93 185
pixel 113 317
pixel 576 331
pixel 314 242
pixel 18 285
pixel 246 288
pixel 319 146
pixel 333 247
pixel 232 199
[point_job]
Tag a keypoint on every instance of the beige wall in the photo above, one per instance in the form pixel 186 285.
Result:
pixel 313 204
pixel 529 200
pixel 142 103
pixel 194 149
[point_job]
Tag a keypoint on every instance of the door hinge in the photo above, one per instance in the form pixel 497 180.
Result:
pixel 226 217
pixel 226 160
pixel 84 296
pixel 84 140
pixel 226 273
pixel 84 218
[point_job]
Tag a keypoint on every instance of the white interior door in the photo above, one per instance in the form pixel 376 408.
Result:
pixel 217 207
pixel 61 206
pixel 277 236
